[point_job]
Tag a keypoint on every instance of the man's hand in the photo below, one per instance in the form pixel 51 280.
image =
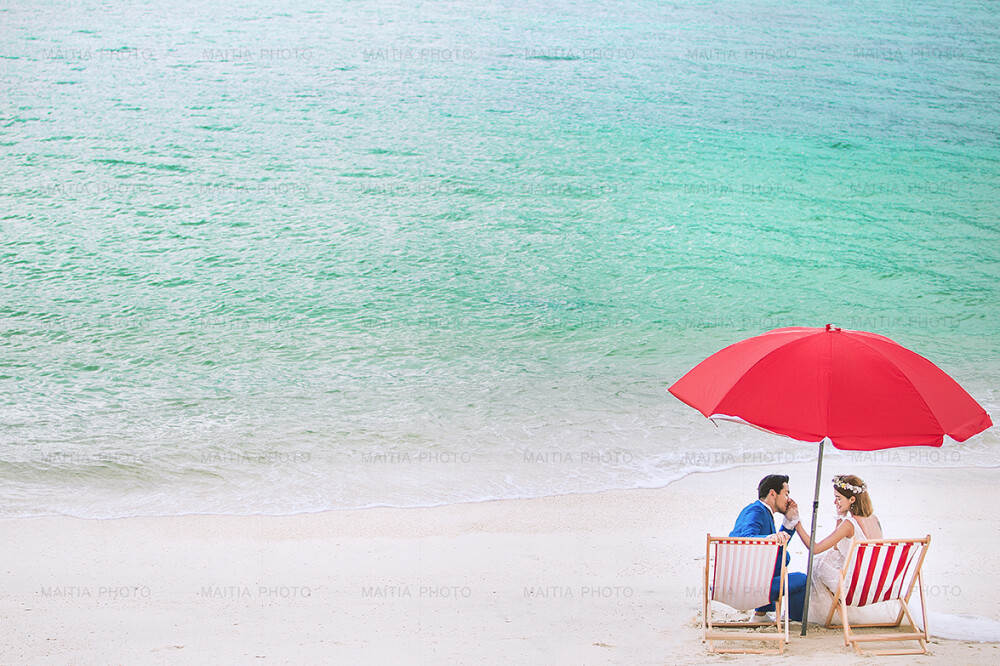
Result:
pixel 782 537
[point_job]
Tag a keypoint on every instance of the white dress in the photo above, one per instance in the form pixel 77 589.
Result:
pixel 826 578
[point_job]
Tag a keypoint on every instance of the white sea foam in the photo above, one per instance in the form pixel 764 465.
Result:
pixel 963 627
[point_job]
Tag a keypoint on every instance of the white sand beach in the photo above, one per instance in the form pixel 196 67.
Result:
pixel 609 578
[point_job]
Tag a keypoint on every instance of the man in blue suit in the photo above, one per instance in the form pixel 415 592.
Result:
pixel 757 520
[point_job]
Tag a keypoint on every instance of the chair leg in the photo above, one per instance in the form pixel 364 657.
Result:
pixel 909 618
pixel 902 612
pixel 842 602
pixel 923 604
pixel 833 605
pixel 777 625
pixel 915 635
pixel 706 609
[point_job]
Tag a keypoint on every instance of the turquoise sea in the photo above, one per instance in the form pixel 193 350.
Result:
pixel 274 257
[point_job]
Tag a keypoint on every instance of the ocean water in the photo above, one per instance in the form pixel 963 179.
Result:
pixel 275 257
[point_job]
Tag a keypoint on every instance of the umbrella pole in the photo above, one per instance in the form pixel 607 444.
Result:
pixel 812 539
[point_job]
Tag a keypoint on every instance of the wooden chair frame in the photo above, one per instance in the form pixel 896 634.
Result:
pixel 780 623
pixel 916 579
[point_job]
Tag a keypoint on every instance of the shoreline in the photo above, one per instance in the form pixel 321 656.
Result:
pixel 463 502
pixel 606 577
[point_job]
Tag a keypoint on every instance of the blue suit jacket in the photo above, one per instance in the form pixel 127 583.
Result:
pixel 755 520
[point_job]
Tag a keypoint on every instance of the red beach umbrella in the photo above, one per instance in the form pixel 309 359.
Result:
pixel 858 390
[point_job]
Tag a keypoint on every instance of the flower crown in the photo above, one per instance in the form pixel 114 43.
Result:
pixel 839 482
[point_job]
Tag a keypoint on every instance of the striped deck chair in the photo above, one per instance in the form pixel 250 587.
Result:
pixel 738 573
pixel 883 571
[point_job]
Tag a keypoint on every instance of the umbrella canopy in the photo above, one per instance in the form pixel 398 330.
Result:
pixel 860 390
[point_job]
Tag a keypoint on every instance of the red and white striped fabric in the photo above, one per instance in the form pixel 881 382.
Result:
pixel 743 572
pixel 880 571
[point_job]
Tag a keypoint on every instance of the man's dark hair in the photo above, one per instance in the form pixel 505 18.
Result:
pixel 771 482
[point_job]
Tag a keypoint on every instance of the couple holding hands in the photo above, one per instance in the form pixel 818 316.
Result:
pixel 856 521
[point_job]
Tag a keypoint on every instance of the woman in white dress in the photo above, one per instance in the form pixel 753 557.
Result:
pixel 856 521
